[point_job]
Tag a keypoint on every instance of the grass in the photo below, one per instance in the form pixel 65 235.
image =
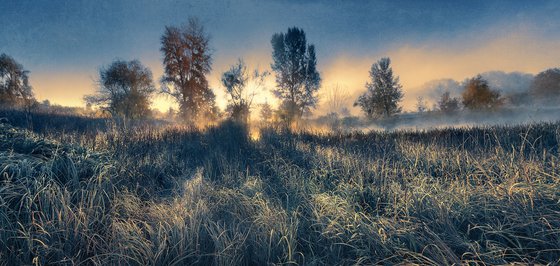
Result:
pixel 176 196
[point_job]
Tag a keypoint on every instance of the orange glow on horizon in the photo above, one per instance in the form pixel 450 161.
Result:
pixel 414 66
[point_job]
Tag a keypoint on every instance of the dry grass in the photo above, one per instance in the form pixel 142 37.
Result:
pixel 175 196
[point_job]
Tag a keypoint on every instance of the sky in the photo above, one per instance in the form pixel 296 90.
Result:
pixel 63 43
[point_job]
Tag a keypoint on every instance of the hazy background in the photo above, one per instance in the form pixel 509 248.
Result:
pixel 63 43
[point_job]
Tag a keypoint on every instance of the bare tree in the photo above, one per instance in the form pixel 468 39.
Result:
pixel 242 89
pixel 187 61
pixel 336 99
pixel 15 90
pixel 125 88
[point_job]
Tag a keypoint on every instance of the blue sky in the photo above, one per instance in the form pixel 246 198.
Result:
pixel 63 43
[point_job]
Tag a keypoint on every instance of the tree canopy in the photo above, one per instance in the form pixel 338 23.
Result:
pixel 477 95
pixel 124 89
pixel 448 104
pixel 187 61
pixel 295 66
pixel 15 89
pixel 383 93
pixel 546 86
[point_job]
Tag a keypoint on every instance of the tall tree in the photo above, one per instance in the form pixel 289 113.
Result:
pixel 477 94
pixel 187 61
pixel 15 89
pixel 545 87
pixel 125 88
pixel 297 78
pixel 383 92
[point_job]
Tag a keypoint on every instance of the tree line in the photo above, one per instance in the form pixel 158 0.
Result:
pixel 124 88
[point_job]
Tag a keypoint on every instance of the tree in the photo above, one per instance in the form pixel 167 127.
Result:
pixel 236 81
pixel 448 104
pixel 545 87
pixel 477 95
pixel 125 88
pixel 187 61
pixel 15 89
pixel 383 92
pixel 297 79
pixel 421 106
pixel 266 112
pixel 336 98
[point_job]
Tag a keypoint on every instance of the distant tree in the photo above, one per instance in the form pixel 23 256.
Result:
pixel 125 88
pixel 546 86
pixel 297 78
pixel 477 95
pixel 421 106
pixel 187 61
pixel 336 98
pixel 15 89
pixel 383 93
pixel 236 81
pixel 266 112
pixel 448 104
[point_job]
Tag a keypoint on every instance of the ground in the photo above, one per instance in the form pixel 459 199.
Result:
pixel 161 195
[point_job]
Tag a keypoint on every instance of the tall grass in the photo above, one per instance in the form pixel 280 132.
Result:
pixel 178 196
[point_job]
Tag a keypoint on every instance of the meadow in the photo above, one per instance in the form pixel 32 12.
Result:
pixel 78 191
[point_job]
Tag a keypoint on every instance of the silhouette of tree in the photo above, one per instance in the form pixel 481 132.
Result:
pixel 477 95
pixel 297 79
pixel 15 89
pixel 266 112
pixel 236 81
pixel 125 88
pixel 448 104
pixel 187 61
pixel 545 87
pixel 383 93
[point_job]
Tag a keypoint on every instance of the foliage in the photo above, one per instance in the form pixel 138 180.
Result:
pixel 187 61
pixel 297 78
pixel 15 89
pixel 448 104
pixel 545 87
pixel 236 81
pixel 383 92
pixel 125 88
pixel 266 112
pixel 477 95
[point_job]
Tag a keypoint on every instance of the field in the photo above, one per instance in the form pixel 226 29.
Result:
pixel 168 195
